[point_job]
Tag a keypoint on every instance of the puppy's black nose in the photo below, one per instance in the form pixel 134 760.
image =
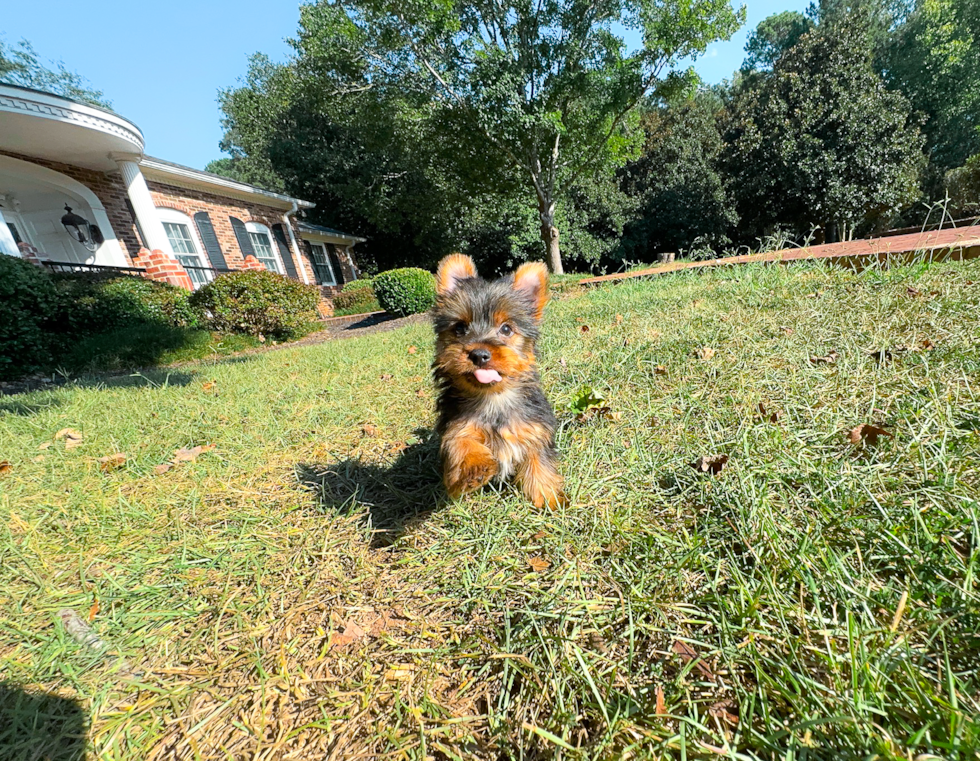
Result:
pixel 479 357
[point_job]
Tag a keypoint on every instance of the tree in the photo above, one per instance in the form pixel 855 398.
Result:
pixel 534 93
pixel 20 65
pixel 772 37
pixel 682 195
pixel 821 141
pixel 934 59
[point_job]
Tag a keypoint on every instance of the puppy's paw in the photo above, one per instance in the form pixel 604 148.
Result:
pixel 472 475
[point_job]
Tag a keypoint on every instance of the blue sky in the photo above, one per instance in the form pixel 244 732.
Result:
pixel 162 63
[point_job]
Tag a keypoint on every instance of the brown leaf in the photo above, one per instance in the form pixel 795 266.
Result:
pixel 369 430
pixel 619 319
pixel 585 328
pixel 412 349
pixel 161 469
pixel 787 330
pixel 772 417
pixel 926 345
pixel 5 467
pixel 538 564
pixel 688 654
pixel 881 356
pixel 661 703
pixel 45 445
pixel 538 535
pixel 387 377
pixel 867 433
pixel 351 633
pixel 726 710
pixel 189 455
pixel 111 462
pixel 913 292
pixel 705 352
pixel 713 463
pixel 420 392
pixel 208 386
pixel 72 437
pixel 660 370
pixel 829 359
pixel 94 610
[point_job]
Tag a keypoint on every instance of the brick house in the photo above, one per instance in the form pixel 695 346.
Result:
pixel 77 192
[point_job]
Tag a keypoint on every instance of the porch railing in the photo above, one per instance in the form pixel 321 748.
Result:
pixel 94 269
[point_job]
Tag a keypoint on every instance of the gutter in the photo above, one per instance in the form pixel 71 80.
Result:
pixel 287 222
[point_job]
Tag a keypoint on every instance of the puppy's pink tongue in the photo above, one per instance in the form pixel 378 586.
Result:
pixel 487 376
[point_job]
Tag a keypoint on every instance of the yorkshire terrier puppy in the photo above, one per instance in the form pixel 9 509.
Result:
pixel 494 419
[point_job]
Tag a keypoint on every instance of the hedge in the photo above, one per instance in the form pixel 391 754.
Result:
pixel 405 291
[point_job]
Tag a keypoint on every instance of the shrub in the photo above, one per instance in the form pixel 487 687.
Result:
pixel 259 303
pixel 405 291
pixel 28 298
pixel 93 304
pixel 356 297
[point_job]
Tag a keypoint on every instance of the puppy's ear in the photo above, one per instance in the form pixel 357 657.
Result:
pixel 531 281
pixel 452 269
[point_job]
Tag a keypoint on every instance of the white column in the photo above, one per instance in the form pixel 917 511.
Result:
pixel 146 212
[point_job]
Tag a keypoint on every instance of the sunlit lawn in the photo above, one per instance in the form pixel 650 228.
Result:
pixel 302 591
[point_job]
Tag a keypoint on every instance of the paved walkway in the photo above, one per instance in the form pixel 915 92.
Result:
pixel 954 243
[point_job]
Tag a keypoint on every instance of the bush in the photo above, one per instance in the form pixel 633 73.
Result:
pixel 259 303
pixel 93 304
pixel 405 291
pixel 28 298
pixel 356 297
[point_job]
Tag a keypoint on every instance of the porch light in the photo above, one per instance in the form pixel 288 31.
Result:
pixel 82 230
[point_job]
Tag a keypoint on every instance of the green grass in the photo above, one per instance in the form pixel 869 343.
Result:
pixel 828 592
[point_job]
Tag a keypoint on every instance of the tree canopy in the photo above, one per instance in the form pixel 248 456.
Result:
pixel 20 65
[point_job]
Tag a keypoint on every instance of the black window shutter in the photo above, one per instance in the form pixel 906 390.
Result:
pixel 287 256
pixel 244 243
pixel 141 239
pixel 338 271
pixel 206 230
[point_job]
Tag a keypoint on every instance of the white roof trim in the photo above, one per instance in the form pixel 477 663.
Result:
pixel 183 176
pixel 317 236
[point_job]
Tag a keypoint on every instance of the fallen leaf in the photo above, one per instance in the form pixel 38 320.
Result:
pixel 39 458
pixel 585 328
pixel 586 398
pixel 387 377
pixel 726 710
pixel 412 349
pixel 705 352
pixel 787 330
pixel 72 437
pixel 688 654
pixel 94 610
pixel 351 633
pixel 913 292
pixel 261 339
pixel 712 463
pixel 111 462
pixel 5 467
pixel 927 345
pixel 660 370
pixel 619 319
pixel 538 564
pixel 695 302
pixel 829 359
pixel 538 535
pixel 562 362
pixel 866 433
pixel 208 386
pixel 887 355
pixel 420 392
pixel 161 469
pixel 772 417
pixel 45 445
pixel 369 430
pixel 661 703
pixel 189 455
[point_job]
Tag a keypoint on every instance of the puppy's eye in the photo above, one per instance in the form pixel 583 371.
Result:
pixel 506 330
pixel 460 329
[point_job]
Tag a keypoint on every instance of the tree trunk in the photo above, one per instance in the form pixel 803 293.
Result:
pixel 549 234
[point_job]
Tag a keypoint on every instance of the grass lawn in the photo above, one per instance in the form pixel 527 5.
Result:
pixel 302 590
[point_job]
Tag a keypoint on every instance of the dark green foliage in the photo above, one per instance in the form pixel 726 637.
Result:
pixel 28 297
pixel 773 37
pixel 820 142
pixel 676 179
pixel 259 303
pixel 964 187
pixel 405 291
pixel 356 297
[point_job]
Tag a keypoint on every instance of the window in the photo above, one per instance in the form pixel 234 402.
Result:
pixel 261 240
pixel 322 268
pixel 183 240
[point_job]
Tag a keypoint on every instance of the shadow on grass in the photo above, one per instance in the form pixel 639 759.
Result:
pixel 35 725
pixel 392 497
